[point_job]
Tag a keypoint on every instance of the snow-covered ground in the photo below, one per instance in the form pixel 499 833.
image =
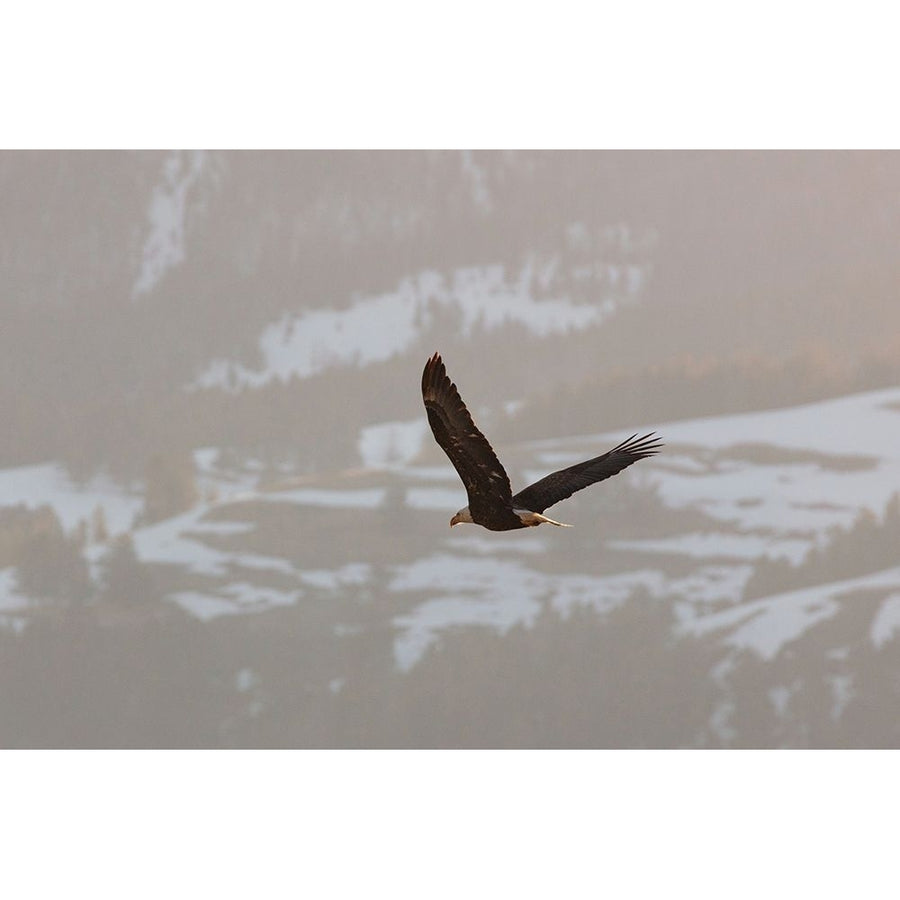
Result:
pixel 373 329
pixel 854 462
pixel 235 598
pixel 13 606
pixel 769 624
pixel 773 482
pixel 767 509
pixel 49 484
pixel 179 541
pixel 886 621
pixel 392 444
pixel 164 243
pixel 709 545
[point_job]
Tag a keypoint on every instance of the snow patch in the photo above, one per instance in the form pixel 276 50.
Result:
pixel 391 444
pixel 168 543
pixel 223 528
pixel 477 178
pixel 367 498
pixel 238 597
pixel 420 627
pixel 768 625
pixel 501 593
pixel 715 544
pixel 485 546
pixel 10 599
pixel 780 697
pixel 164 246
pixel 374 329
pixel 886 621
pixel 709 585
pixel 842 693
pixel 49 484
pixel 795 501
pixel 351 574
pixel 438 499
pixel 476 591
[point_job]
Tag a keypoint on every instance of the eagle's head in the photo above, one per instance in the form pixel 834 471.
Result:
pixel 462 516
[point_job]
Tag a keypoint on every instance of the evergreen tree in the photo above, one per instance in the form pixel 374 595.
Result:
pixel 80 534
pixel 51 568
pixel 124 578
pixel 98 525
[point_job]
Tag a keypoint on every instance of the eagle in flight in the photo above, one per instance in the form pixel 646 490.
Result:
pixel 491 501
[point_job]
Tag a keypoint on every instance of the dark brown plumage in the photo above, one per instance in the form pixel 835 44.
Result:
pixel 491 501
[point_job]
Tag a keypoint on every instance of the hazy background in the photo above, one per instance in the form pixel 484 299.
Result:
pixel 223 522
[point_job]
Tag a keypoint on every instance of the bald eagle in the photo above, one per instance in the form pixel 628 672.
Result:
pixel 491 501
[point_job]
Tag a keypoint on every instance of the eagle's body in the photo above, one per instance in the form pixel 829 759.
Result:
pixel 491 501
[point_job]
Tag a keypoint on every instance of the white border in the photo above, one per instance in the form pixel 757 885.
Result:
pixel 480 74
pixel 450 824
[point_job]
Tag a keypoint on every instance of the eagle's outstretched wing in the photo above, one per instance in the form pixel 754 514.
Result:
pixel 558 485
pixel 486 481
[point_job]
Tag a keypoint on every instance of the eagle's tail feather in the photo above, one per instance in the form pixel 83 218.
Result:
pixel 539 519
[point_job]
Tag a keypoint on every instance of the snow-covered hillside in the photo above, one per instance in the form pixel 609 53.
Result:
pixel 373 329
pixel 770 484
